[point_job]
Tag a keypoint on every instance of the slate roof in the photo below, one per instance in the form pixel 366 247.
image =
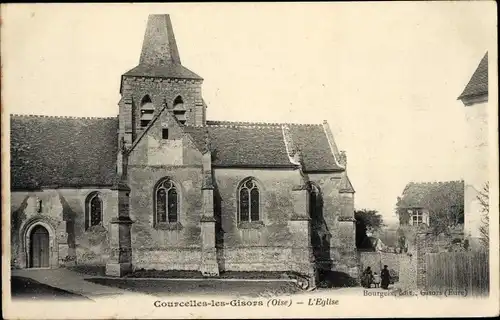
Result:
pixel 240 144
pixel 160 55
pixel 62 151
pixel 478 84
pixel 165 71
pixel 311 140
pixel 346 185
pixel 417 195
pixel 68 152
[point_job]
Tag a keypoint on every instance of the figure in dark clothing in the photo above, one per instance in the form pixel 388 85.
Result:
pixel 386 278
pixel 367 278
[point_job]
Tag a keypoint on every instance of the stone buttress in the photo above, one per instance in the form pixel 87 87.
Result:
pixel 209 265
pixel 120 242
pixel 300 227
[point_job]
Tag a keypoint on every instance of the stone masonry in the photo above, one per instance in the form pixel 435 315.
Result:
pixel 300 212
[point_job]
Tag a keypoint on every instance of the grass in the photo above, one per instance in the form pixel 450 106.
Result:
pixel 187 274
pixel 172 287
pixel 328 279
pixel 100 271
pixel 334 279
pixel 177 288
pixel 89 270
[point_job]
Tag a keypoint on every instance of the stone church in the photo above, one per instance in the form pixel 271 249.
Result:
pixel 161 187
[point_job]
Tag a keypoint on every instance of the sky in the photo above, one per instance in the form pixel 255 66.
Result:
pixel 386 76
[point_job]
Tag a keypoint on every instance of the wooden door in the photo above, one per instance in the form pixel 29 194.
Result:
pixel 39 248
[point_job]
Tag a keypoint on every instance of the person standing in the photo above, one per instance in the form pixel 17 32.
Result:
pixel 376 280
pixel 386 278
pixel 367 278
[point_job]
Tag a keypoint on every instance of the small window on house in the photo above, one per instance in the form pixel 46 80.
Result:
pixel 147 111
pixel 93 210
pixel 249 201
pixel 164 133
pixel 417 217
pixel 167 202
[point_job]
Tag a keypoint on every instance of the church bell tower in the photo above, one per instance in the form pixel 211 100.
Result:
pixel 159 81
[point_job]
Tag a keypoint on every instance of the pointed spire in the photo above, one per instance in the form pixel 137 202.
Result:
pixel 159 46
pixel 160 56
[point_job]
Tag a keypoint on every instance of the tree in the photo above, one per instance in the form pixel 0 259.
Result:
pixel 445 215
pixel 483 198
pixel 366 220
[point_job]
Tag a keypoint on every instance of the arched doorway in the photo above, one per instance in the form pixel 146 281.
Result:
pixel 39 247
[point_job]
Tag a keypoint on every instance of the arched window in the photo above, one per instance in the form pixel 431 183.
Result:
pixel 314 201
pixel 147 111
pixel 249 201
pixel 178 102
pixel 179 110
pixel 93 210
pixel 167 202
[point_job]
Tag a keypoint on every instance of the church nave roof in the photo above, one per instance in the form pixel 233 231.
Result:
pixel 263 145
pixel 62 151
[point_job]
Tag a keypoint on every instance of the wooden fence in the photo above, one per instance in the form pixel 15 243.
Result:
pixel 458 271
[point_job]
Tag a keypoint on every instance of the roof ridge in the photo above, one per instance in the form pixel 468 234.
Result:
pixel 146 129
pixel 224 123
pixel 331 143
pixel 478 82
pixel 56 117
pixel 435 182
pixel 294 154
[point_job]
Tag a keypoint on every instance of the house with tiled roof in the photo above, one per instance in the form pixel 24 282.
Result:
pixel 421 202
pixel 476 90
pixel 161 187
pixel 475 101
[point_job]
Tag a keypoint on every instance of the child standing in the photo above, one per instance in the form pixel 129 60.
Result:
pixel 376 280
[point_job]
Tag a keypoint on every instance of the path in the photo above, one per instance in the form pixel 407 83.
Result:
pixel 69 281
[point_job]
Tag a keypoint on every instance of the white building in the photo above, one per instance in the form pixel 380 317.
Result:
pixel 475 99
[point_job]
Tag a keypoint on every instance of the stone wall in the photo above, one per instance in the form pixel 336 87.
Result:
pixel 172 258
pixel 403 265
pixel 426 243
pixel 377 260
pixel 134 89
pixel 255 259
pixel 173 248
pixel 63 214
pixel 278 242
pixel 338 219
pixel 267 245
pixel 407 271
pixel 153 159
pixel 153 151
pixel 412 263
